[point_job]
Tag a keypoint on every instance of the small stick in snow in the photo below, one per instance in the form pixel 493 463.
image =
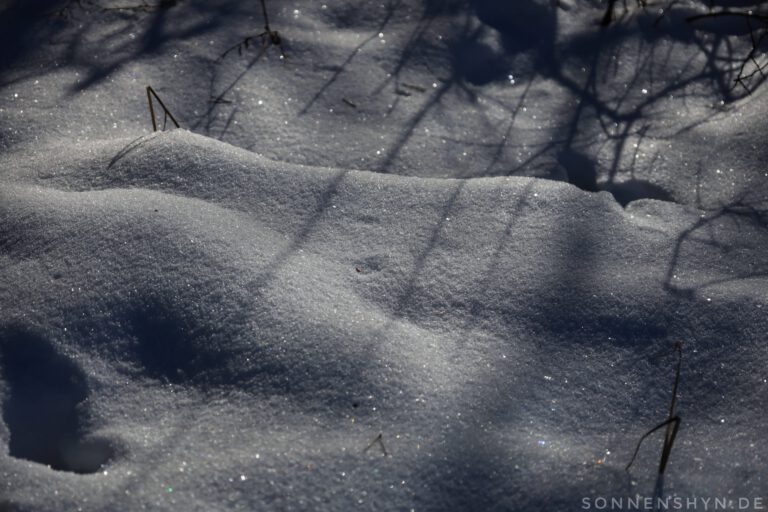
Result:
pixel 672 422
pixel 215 100
pixel 412 87
pixel 380 440
pixel 268 38
pixel 151 92
pixel 144 6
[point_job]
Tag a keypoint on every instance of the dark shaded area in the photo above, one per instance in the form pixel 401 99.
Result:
pixel 7 506
pixel 634 189
pixel 523 24
pixel 20 28
pixel 167 348
pixel 480 470
pixel 482 480
pixel 477 479
pixel 580 169
pixel 44 408
pixel 173 342
pixel 157 25
pixel 477 63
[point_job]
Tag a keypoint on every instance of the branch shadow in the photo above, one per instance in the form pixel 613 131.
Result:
pixel 625 124
pixel 157 27
pixel 23 28
pixel 716 228
pixel 391 7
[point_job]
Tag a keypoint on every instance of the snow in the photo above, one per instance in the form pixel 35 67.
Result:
pixel 360 278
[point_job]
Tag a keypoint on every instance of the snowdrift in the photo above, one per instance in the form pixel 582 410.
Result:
pixel 208 329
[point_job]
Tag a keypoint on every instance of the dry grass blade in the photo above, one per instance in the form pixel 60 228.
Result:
pixel 379 439
pixel 267 38
pixel 167 113
pixel 672 422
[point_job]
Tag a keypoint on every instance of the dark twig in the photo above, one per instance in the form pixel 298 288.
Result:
pixel 756 34
pixel 218 99
pixel 380 440
pixel 266 39
pixel 412 87
pixel 672 422
pixel 144 6
pixel 167 113
pixel 672 425
pixel 722 14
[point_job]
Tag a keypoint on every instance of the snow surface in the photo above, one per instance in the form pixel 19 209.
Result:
pixel 240 315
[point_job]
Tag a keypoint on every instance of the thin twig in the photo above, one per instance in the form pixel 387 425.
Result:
pixel 144 6
pixel 267 38
pixel 664 452
pixel 719 14
pixel 380 440
pixel 672 422
pixel 151 92
pixel 412 87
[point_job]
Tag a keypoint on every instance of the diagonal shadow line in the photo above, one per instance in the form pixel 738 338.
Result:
pixel 417 43
pixel 152 40
pixel 543 151
pixel 737 209
pixel 485 281
pixel 130 147
pixel 230 119
pixel 397 311
pixel 497 154
pixel 421 260
pixel 262 50
pixel 588 87
pixel 216 100
pixel 300 237
pixel 391 8
pixel 406 134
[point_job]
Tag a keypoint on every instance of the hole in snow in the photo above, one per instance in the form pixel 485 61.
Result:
pixel 45 406
pixel 7 506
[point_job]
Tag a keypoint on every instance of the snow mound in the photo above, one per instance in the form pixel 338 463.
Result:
pixel 211 328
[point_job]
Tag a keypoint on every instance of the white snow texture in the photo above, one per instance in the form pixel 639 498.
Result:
pixel 435 258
